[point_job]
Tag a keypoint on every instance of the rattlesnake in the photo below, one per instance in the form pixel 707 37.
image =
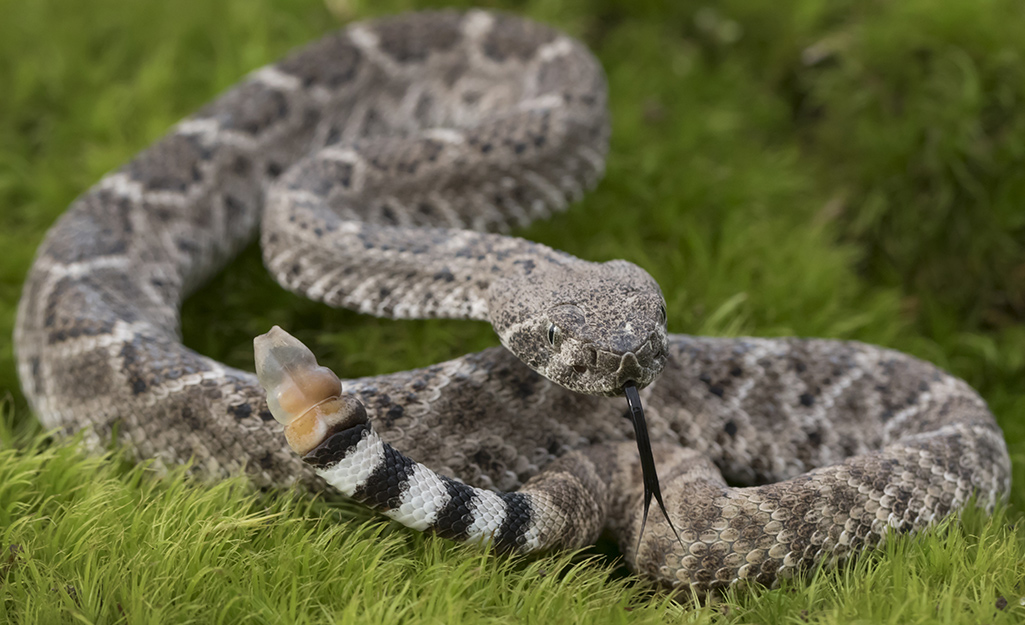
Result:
pixel 431 123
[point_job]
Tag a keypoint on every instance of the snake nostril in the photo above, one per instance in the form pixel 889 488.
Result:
pixel 580 368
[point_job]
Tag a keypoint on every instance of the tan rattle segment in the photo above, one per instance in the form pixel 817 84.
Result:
pixel 303 396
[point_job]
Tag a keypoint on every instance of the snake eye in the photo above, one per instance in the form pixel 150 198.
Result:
pixel 662 314
pixel 552 331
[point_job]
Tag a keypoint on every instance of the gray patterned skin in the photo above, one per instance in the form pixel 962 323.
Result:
pixel 774 455
pixel 828 444
pixel 487 134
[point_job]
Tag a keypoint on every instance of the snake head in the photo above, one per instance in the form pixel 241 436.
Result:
pixel 303 396
pixel 590 327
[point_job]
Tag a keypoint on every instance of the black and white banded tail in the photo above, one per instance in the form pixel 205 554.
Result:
pixel 562 507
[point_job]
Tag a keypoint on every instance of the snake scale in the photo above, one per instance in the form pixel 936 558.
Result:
pixel 382 163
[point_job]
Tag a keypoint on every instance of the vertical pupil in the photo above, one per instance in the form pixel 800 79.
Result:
pixel 551 334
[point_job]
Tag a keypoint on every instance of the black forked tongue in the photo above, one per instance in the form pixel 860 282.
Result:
pixel 651 487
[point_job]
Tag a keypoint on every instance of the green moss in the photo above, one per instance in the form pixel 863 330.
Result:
pixel 800 167
pixel 930 151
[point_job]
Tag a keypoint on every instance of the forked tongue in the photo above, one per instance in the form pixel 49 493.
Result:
pixel 651 487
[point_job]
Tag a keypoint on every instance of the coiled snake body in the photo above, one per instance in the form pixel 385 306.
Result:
pixel 374 160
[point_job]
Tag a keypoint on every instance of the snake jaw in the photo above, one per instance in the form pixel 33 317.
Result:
pixel 303 396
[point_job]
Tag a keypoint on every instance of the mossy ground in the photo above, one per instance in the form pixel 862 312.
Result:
pixel 840 169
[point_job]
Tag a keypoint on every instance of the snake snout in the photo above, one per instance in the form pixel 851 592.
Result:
pixel 587 362
pixel 643 364
pixel 630 370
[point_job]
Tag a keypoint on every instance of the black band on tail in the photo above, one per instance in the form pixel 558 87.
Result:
pixel 336 445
